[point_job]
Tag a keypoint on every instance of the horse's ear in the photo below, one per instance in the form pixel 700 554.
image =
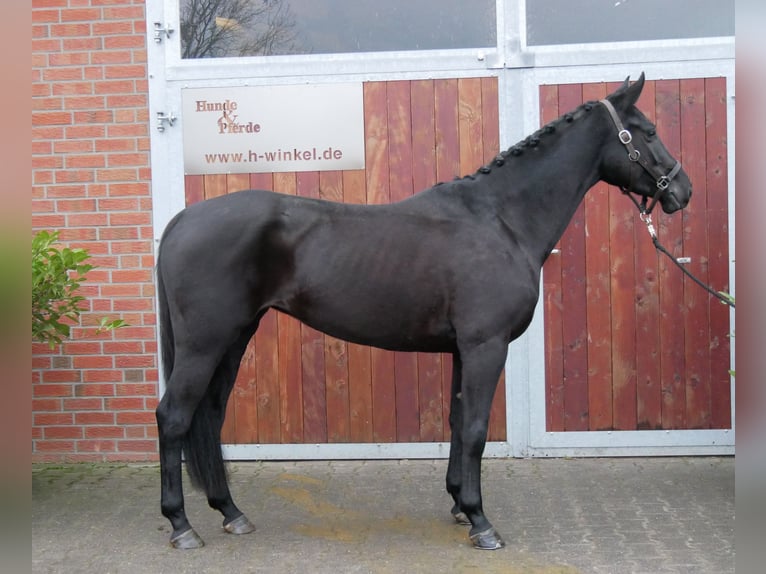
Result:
pixel 627 95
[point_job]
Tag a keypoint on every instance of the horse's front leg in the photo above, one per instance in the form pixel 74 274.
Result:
pixel 454 469
pixel 481 367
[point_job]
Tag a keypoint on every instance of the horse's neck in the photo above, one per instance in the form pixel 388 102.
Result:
pixel 545 185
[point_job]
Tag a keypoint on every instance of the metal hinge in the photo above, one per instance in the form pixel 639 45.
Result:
pixel 159 30
pixel 162 118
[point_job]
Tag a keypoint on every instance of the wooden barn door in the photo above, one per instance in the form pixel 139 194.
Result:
pixel 630 343
pixel 297 385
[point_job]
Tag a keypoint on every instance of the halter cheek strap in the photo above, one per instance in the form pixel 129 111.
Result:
pixel 662 181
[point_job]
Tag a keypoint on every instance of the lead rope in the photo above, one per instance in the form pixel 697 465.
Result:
pixel 647 219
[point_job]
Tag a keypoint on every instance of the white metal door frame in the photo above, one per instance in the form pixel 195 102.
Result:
pixel 520 71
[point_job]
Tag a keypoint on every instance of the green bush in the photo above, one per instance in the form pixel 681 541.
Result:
pixel 56 276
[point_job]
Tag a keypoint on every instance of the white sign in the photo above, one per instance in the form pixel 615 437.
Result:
pixel 273 128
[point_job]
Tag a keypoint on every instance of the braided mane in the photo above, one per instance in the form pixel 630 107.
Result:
pixel 534 140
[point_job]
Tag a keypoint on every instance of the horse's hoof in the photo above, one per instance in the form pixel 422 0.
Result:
pixel 240 525
pixel 461 518
pixel 488 539
pixel 187 540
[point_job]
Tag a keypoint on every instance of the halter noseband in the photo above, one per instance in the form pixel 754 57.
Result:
pixel 662 181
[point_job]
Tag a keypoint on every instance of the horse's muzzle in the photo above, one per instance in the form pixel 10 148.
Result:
pixel 671 203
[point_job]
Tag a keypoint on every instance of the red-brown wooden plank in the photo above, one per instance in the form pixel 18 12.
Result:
pixel 335 350
pixel 237 182
pixel 470 124
pixel 598 294
pixel 260 181
pixel 229 429
pixel 243 412
pixel 430 397
pixel 359 374
pixel 360 393
pixel 446 135
pixel 400 162
pixel 376 142
pixel 573 289
pixel 424 176
pixel 214 184
pixel 624 408
pixel 552 302
pixel 314 395
pixel 383 395
pixel 648 373
pixel 290 373
pixel 696 319
pixel 622 286
pixel 446 386
pixel 718 240
pixel 336 385
pixel 497 431
pixel 422 98
pixel 331 185
pixel 267 375
pixel 377 184
pixel 194 189
pixel 307 184
pixel 407 397
pixel 290 380
pixel 490 118
pixel 354 187
pixel 312 350
pixel 670 233
pixel 229 434
pixel 446 130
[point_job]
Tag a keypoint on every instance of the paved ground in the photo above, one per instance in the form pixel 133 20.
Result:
pixel 649 515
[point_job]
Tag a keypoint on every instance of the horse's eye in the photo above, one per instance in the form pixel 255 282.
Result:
pixel 652 133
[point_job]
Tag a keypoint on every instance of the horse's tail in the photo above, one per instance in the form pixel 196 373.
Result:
pixel 167 340
pixel 202 445
pixel 202 442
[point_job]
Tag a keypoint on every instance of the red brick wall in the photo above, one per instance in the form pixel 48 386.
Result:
pixel 94 395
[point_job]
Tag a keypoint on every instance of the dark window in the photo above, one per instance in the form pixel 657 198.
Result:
pixel 231 28
pixel 584 21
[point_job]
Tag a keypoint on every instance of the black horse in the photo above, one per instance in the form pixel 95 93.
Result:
pixel 454 268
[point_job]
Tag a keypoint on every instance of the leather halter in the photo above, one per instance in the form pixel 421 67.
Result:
pixel 662 181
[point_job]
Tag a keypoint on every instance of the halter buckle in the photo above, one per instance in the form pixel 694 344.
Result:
pixel 663 183
pixel 625 136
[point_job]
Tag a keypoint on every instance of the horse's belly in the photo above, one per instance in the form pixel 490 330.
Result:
pixel 378 319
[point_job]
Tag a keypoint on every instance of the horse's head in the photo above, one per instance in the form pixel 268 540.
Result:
pixel 635 159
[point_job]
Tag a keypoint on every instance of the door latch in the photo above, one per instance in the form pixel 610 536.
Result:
pixel 159 30
pixel 162 118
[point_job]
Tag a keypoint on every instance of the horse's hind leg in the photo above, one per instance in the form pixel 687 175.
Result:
pixel 216 486
pixel 186 387
pixel 480 370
